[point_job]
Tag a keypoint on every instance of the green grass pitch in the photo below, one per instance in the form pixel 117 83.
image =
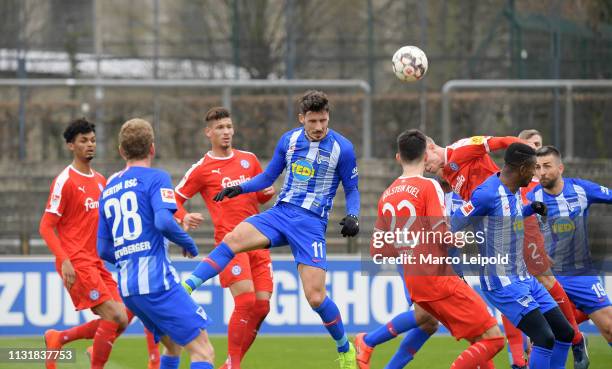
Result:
pixel 290 353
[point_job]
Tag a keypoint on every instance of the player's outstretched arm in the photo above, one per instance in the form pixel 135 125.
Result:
pixel 262 180
pixel 498 143
pixel 165 223
pixel 595 193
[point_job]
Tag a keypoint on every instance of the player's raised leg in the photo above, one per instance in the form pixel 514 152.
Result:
pixel 244 237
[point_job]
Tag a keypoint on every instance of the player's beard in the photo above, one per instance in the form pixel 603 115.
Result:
pixel 90 157
pixel 549 183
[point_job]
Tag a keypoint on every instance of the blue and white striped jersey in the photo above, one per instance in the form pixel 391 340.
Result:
pixel 565 227
pixel 452 202
pixel 497 212
pixel 314 171
pixel 127 213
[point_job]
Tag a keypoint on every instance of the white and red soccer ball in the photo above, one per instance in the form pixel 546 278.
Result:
pixel 409 63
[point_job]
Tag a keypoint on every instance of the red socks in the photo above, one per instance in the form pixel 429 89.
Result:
pixel 103 343
pixel 85 330
pixel 236 331
pixel 479 354
pixel 558 293
pixel 515 342
pixel 258 314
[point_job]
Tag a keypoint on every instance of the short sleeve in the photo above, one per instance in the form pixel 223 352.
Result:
pixel 190 185
pixel 59 196
pixel 161 192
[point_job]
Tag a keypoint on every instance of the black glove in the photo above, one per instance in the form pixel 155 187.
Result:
pixel 229 192
pixel 539 207
pixel 350 226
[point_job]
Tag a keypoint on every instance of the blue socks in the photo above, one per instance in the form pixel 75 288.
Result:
pixel 540 358
pixel 414 340
pixel 398 325
pixel 330 315
pixel 559 354
pixel 201 365
pixel 169 362
pixel 212 265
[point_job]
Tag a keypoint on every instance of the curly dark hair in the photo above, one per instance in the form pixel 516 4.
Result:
pixel 77 126
pixel 315 101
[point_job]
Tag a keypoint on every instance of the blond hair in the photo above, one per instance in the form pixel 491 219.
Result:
pixel 135 139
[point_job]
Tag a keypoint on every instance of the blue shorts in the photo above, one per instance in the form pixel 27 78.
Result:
pixel 170 313
pixel 519 298
pixel 586 292
pixel 301 229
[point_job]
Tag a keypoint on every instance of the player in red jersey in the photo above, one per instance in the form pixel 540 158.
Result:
pixel 420 201
pixel 72 212
pixel 248 275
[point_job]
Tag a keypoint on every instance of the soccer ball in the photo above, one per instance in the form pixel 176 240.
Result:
pixel 409 63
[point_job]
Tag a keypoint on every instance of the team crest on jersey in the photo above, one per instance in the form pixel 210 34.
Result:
pixel 454 167
pixel 245 163
pixel 467 208
pixel 302 170
pixel 477 140
pixel 236 270
pixel 167 195
pixel 94 295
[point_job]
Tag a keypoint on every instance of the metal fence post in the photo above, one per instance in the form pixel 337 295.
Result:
pixel 569 123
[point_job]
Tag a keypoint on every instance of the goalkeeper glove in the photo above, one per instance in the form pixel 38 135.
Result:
pixel 228 192
pixel 350 226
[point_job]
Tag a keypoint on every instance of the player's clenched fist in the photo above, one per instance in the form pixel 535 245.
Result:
pixel 229 192
pixel 350 226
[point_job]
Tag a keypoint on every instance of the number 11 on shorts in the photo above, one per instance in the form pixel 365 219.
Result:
pixel 318 249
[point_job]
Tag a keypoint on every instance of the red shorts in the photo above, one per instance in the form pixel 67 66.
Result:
pixel 534 252
pixel 463 312
pixel 254 265
pixel 93 285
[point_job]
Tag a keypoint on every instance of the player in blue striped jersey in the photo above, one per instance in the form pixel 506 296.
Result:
pixel 566 235
pixel 135 224
pixel 316 160
pixel 496 209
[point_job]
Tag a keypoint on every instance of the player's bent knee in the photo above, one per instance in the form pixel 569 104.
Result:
pixel 315 298
pixel 492 332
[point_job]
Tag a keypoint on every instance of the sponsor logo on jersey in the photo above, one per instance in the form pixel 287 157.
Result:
pixel 477 140
pixel 458 184
pixel 94 295
pixel 604 190
pixel 563 227
pixel 518 226
pixel 218 171
pixel 228 182
pixel 355 173
pixel 90 204
pixel 302 170
pixel 167 195
pixel 245 163
pixel 454 167
pixel 236 270
pixel 467 208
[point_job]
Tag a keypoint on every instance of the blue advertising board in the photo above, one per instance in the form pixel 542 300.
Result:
pixel 33 299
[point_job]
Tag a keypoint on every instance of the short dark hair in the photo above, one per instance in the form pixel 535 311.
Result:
pixel 548 150
pixel 216 113
pixel 518 154
pixel 411 145
pixel 315 101
pixel 78 126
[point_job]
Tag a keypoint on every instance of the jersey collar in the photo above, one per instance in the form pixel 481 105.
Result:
pixel 210 155
pixel 90 175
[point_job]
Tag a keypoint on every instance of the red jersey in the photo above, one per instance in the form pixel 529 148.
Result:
pixel 467 163
pixel 74 198
pixel 525 190
pixel 210 175
pixel 417 204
